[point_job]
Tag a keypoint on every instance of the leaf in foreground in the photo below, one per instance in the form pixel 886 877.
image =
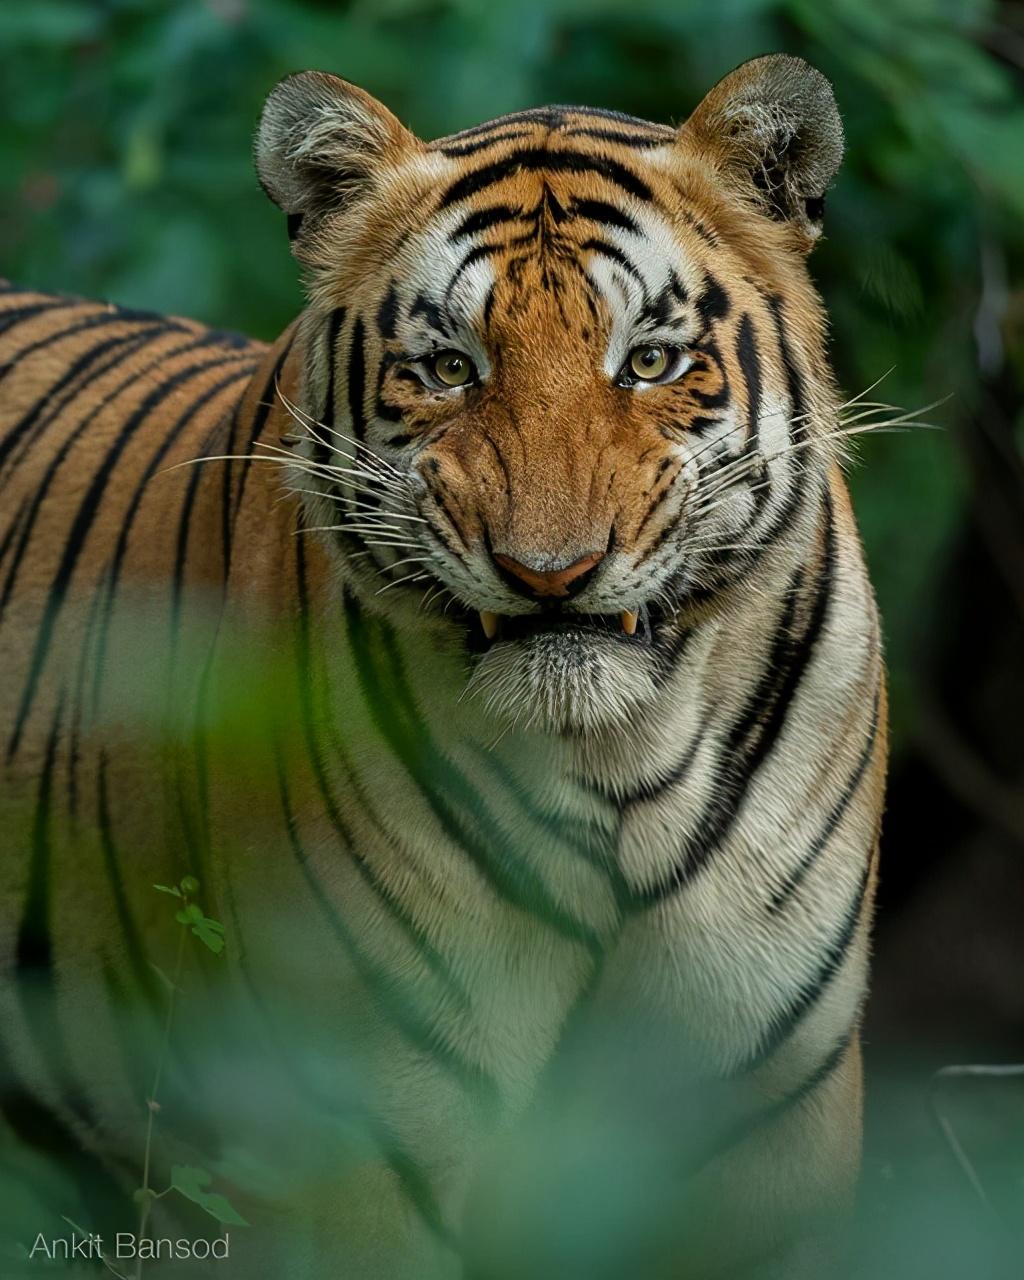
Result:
pixel 192 1184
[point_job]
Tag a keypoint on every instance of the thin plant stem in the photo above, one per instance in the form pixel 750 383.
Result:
pixel 151 1103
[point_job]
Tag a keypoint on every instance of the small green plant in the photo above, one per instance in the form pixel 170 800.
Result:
pixel 187 1180
pixel 209 932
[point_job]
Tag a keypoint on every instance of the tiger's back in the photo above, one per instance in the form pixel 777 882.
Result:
pixel 98 547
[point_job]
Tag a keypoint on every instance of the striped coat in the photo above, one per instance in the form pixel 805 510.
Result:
pixel 511 683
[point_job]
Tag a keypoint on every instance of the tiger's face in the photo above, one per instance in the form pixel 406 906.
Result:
pixel 556 367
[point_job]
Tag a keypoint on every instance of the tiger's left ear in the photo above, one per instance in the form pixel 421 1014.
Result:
pixel 774 131
pixel 320 144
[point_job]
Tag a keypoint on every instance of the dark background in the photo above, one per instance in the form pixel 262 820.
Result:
pixel 124 160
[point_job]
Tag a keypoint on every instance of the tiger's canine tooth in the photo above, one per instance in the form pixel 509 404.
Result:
pixel 629 620
pixel 489 622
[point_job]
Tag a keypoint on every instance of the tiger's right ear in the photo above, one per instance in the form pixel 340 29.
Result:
pixel 320 142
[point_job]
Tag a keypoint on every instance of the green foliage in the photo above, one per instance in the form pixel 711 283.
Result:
pixel 192 1184
pixel 210 932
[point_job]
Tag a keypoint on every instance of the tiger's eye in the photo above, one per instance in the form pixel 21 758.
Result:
pixel 452 368
pixel 648 362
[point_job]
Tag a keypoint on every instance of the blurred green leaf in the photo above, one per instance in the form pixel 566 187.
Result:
pixel 53 22
pixel 192 1183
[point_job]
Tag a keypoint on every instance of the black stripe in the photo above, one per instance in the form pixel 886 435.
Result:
pixel 638 141
pixel 73 753
pixel 700 425
pixel 132 340
pixel 756 731
pixel 651 788
pixel 549 117
pixel 678 288
pixel 553 117
pixel 441 502
pixel 784 1024
pixel 194 821
pixel 495 216
pixel 113 574
pixel 584 837
pixel 708 236
pixel 37 1127
pixel 433 960
pixel 713 304
pixel 11 317
pixel 129 932
pixel 35 985
pixel 794 377
pixel 750 1124
pixel 168 441
pixel 194 825
pixel 481 143
pixel 321 447
pixel 401 1009
pixel 357 380
pixel 479 835
pixel 261 411
pixel 838 811
pixel 212 446
pixel 536 159
pixel 563 109
pixel 475 255
pixel 615 254
pixel 714 399
pixel 782 519
pixel 652 507
pixel 414 1181
pixel 798 657
pixel 431 312
pixel 34 948
pixel 662 306
pixel 88 509
pixel 382 409
pixel 750 366
pixel 100 321
pixel 820 1073
pixel 603 213
pixel 387 312
pixel 43 486
pixel 668 656
pixel 20 516
pixel 478 131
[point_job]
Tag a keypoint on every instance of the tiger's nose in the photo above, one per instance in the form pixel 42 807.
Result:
pixel 558 583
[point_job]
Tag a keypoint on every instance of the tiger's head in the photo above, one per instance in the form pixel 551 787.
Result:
pixel 560 369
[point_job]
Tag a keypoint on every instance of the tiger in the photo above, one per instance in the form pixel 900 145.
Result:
pixel 496 650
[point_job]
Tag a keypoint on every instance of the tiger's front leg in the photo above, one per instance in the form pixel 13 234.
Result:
pixel 776 1206
pixel 654 1176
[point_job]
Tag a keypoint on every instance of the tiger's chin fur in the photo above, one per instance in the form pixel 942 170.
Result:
pixel 565 680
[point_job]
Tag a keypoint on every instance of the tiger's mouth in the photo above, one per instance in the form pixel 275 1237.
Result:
pixel 486 630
